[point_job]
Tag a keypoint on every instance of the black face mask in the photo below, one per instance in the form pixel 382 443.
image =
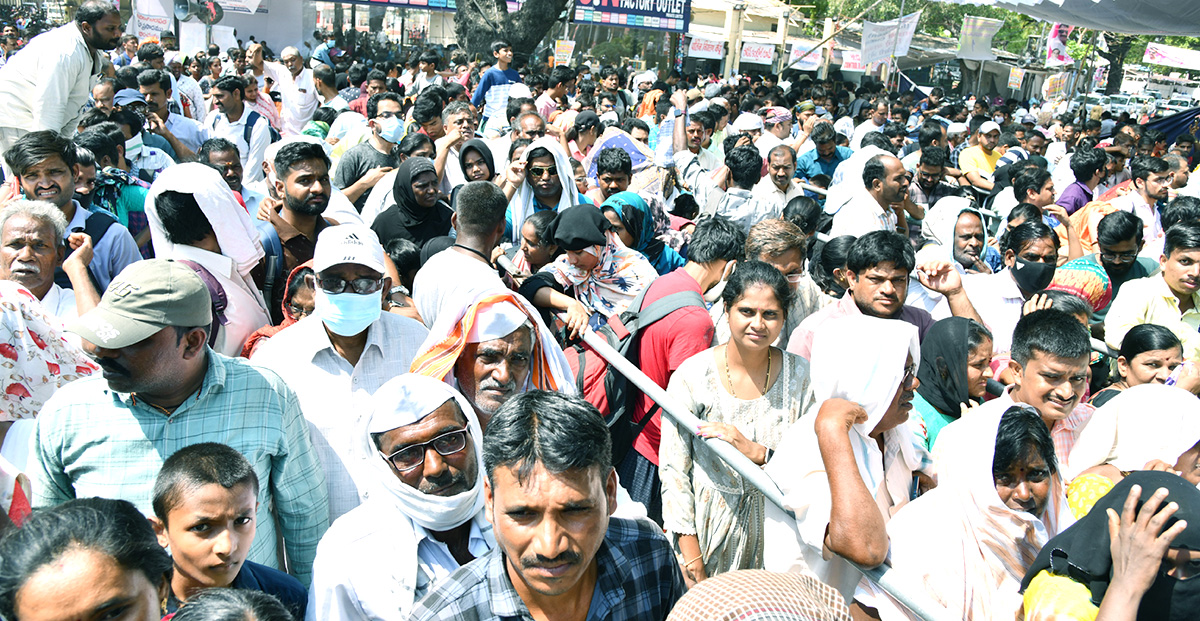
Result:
pixel 1032 276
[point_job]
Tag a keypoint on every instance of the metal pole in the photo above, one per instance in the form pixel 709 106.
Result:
pixel 902 590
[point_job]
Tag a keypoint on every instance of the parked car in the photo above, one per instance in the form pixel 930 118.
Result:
pixel 1122 103
pixel 1177 104
pixel 1092 99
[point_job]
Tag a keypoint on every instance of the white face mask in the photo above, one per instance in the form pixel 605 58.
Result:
pixel 133 147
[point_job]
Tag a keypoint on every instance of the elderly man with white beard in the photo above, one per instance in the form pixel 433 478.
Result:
pixel 425 521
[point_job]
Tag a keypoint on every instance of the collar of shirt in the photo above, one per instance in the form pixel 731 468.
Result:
pixel 218 264
pixel 317 339
pixel 78 221
pixel 611 576
pixel 477 543
pixel 213 382
pixel 1164 291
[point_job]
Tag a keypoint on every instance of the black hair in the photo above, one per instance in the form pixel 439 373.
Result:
pixel 753 273
pixel 35 147
pixel 182 219
pixel 1146 337
pixel 376 75
pixel 560 432
pixel 804 212
pixel 325 114
pixel 517 144
pixel 745 166
pixel 1067 302
pixel 1022 434
pixel 928 133
pixel 1182 236
pixel 561 74
pixel 229 84
pixel 614 160
pixel 1031 178
pixel 1085 163
pixel 933 156
pixel 480 207
pixel 715 238
pixel 893 130
pixel 357 74
pixel 229 604
pixel 152 77
pixel 1026 211
pixel 113 528
pixel 99 142
pixel 632 123
pixel 784 149
pixel 84 157
pixel 1009 139
pixel 214 145
pixel 413 141
pixel 1117 227
pixel 829 256
pixel 150 51
pixel 373 103
pixel 92 11
pixel 1143 165
pixel 196 465
pixel 706 120
pixel 874 170
pixel 1050 331
pixel 514 107
pixel 977 333
pixel 823 133
pixel 881 247
pixel 405 255
pixel 876 139
pixel 93 117
pixel 1182 209
pixel 498 45
pixel 292 154
pixel 1026 233
pixel 427 109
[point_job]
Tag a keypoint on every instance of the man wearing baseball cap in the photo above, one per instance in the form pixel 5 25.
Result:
pixel 162 388
pixel 978 163
pixel 336 358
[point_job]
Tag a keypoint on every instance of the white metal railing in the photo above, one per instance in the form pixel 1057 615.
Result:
pixel 908 594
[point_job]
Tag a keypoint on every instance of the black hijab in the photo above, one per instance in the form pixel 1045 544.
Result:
pixel 406 219
pixel 1082 552
pixel 943 370
pixel 579 227
pixel 480 147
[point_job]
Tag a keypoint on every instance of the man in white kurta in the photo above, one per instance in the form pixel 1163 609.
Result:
pixel 295 84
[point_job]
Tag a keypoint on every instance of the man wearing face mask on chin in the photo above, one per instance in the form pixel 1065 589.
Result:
pixel 338 357
pixel 364 164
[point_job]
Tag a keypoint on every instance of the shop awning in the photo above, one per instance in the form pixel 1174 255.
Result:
pixel 1165 17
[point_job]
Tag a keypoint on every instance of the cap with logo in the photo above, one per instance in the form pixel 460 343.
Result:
pixel 144 298
pixel 348 243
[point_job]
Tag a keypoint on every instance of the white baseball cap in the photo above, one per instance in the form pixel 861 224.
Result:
pixel 348 243
pixel 989 127
pixel 747 121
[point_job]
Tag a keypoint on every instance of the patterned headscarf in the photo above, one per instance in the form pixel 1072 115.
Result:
pixel 1086 280
pixel 619 275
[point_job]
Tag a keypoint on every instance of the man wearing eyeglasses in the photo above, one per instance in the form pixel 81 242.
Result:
pixel 1119 237
pixel 338 357
pixel 426 519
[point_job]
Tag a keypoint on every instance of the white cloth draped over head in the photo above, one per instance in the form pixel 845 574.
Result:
pixel 963 544
pixel 402 401
pixel 1143 423
pixel 937 229
pixel 481 316
pixel 861 359
pixel 235 231
pixel 522 204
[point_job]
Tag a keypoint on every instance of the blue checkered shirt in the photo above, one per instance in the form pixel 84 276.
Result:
pixel 638 578
pixel 92 441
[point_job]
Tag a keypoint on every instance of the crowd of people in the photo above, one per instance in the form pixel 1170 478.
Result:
pixel 309 336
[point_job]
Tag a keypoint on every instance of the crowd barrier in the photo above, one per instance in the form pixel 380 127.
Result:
pixel 908 594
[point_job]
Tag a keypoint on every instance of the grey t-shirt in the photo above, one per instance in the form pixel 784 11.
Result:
pixel 357 162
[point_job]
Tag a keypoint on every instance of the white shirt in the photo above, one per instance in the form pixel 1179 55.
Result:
pixel 337 103
pixel 246 311
pixel 375 563
pixel 766 142
pixel 336 398
pixel 447 274
pixel 861 215
pixel 251 153
pixel 998 301
pixel 299 96
pixel 766 190
pixel 863 129
pixel 189 132
pixel 47 84
pixel 60 303
pixel 111 253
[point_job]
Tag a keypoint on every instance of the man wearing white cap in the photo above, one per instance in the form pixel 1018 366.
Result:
pixel 425 519
pixel 336 358
pixel 978 163
pixel 493 348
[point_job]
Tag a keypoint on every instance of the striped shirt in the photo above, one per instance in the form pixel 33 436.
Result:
pixel 93 441
pixel 637 578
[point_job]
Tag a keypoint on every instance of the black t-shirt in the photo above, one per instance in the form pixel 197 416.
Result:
pixel 356 163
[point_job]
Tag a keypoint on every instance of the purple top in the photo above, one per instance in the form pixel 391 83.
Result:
pixel 1075 196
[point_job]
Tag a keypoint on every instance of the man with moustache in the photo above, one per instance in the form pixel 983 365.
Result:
pixel 303 189
pixel 885 184
pixel 163 388
pixel 33 243
pixel 46 85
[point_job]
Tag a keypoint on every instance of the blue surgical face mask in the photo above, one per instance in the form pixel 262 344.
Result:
pixel 390 129
pixel 347 314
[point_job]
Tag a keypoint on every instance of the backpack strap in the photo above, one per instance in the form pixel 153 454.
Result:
pixel 252 118
pixel 664 306
pixel 217 293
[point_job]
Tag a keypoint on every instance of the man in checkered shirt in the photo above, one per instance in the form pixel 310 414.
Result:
pixel 549 494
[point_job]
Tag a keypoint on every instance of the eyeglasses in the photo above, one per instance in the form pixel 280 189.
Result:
pixel 794 278
pixel 910 374
pixel 539 171
pixel 1118 257
pixel 386 114
pixel 361 286
pixel 299 312
pixel 412 456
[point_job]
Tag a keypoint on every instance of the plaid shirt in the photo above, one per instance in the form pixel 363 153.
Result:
pixel 638 578
pixel 92 441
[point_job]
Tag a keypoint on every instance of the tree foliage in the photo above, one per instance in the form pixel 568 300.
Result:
pixel 479 22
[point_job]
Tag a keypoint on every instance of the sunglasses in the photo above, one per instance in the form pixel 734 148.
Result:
pixel 335 285
pixel 539 171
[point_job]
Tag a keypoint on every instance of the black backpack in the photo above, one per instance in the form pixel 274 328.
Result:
pixel 95 226
pixel 605 387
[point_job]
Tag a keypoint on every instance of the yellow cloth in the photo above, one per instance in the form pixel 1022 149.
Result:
pixel 1150 300
pixel 1085 490
pixel 1058 598
pixel 973 159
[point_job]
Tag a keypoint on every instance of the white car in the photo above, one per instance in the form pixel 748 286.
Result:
pixel 1122 103
pixel 1177 104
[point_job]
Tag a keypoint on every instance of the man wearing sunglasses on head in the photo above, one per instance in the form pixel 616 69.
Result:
pixel 338 357
pixel 425 517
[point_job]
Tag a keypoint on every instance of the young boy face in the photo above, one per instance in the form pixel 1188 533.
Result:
pixel 209 533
